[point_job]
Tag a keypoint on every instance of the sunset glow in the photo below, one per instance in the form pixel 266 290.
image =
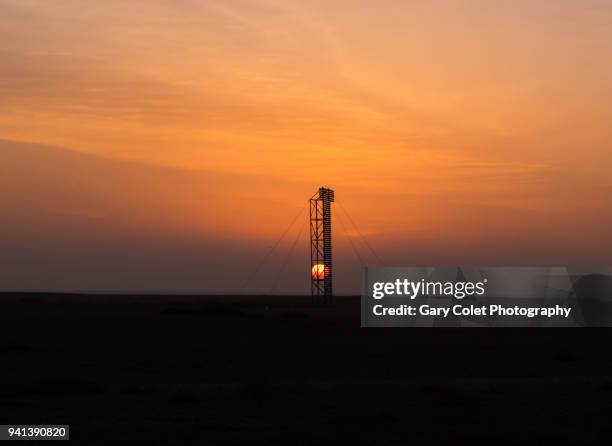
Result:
pixel 448 132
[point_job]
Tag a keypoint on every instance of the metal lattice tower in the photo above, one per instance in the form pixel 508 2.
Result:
pixel 321 246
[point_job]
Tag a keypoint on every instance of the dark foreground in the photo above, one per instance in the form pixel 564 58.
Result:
pixel 272 370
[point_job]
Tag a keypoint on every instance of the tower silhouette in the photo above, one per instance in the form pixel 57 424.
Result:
pixel 321 246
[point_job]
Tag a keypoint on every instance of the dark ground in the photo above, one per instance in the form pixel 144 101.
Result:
pixel 272 370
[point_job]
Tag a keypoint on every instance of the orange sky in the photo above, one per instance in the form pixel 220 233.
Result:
pixel 451 130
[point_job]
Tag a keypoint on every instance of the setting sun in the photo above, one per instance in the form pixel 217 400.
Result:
pixel 318 271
